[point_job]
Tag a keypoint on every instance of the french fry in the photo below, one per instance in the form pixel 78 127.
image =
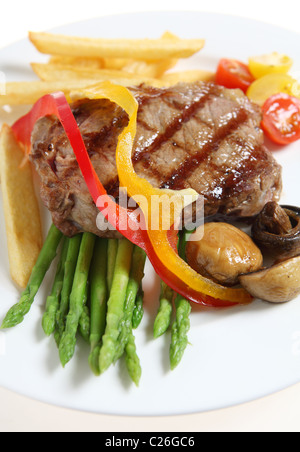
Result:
pixel 149 68
pixel 171 78
pixel 27 93
pixel 92 63
pixel 21 209
pixel 115 63
pixel 152 69
pixel 140 49
pixel 50 72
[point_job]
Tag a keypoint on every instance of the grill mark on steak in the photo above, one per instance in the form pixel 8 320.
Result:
pixel 144 97
pixel 236 178
pixel 186 113
pixel 177 178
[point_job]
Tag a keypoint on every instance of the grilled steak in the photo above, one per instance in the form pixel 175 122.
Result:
pixel 196 135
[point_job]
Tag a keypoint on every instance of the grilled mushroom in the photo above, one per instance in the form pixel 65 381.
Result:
pixel 277 284
pixel 276 230
pixel 223 253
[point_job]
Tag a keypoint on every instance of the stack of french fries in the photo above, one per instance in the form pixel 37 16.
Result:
pixel 76 63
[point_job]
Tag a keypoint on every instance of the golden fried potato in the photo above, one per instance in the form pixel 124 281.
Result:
pixel 94 63
pixel 152 68
pixel 140 49
pixel 149 68
pixel 27 93
pixel 21 209
pixel 49 72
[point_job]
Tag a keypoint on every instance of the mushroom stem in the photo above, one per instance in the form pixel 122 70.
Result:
pixel 275 219
pixel 276 284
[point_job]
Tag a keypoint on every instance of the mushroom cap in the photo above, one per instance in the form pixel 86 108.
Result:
pixel 223 253
pixel 277 284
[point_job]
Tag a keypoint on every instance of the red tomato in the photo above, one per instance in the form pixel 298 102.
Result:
pixel 233 74
pixel 281 118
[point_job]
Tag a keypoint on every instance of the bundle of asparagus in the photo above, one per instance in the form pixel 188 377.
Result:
pixel 97 291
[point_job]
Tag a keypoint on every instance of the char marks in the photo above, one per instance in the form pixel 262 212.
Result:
pixel 179 176
pixel 186 112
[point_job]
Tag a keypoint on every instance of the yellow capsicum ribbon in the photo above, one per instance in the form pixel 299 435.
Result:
pixel 137 186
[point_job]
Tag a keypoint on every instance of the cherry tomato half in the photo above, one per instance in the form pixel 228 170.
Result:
pixel 233 74
pixel 281 118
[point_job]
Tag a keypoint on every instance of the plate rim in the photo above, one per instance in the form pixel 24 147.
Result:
pixel 112 16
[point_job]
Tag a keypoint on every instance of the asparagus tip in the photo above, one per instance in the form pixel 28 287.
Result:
pixel 48 325
pixel 66 349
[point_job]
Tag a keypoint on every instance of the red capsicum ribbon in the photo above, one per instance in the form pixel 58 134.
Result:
pixel 159 244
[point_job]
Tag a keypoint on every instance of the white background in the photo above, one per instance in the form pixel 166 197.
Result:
pixel 276 413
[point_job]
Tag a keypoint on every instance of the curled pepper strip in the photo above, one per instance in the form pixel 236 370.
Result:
pixel 159 245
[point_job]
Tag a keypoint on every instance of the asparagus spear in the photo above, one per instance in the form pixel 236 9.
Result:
pixel 84 324
pixel 181 325
pixel 70 266
pixel 135 279
pixel 115 305
pixel 164 314
pixel 17 312
pixel 52 303
pixel 111 260
pixel 98 300
pixel 180 328
pixel 132 360
pixel 138 311
pixel 68 340
pixel 85 321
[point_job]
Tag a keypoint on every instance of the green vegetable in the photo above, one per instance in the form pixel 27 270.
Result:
pixel 48 253
pixel 136 276
pixel 180 328
pixel 53 300
pixel 181 325
pixel 115 305
pixel 164 314
pixel 111 260
pixel 138 310
pixel 132 360
pixel 70 266
pixel 77 298
pixel 84 324
pixel 98 301
pixel 85 321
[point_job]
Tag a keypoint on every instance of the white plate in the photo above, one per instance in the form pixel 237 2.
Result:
pixel 236 355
